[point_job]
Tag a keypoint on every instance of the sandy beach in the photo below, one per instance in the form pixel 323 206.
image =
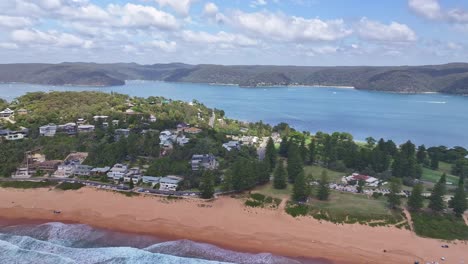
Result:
pixel 226 222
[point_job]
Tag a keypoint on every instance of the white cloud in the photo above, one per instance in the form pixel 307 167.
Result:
pixel 210 9
pixel 427 8
pixel 14 21
pixel 167 46
pixel 54 38
pixel 8 45
pixel 180 6
pixel 289 28
pixel 256 3
pixel 394 32
pixel 131 15
pixel 219 38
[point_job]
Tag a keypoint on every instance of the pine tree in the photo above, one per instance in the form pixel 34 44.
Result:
pixel 303 150
pixel 131 185
pixel 394 199
pixel 434 161
pixel 295 164
pixel 415 200
pixel 262 171
pixel 421 155
pixel 270 154
pixel 458 202
pixel 300 188
pixel 324 190
pixel 436 200
pixel 207 185
pixel 284 146
pixel 312 152
pixel 279 177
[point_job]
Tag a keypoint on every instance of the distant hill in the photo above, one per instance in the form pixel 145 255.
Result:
pixel 448 78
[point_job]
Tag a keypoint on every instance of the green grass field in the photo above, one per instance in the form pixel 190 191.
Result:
pixel 434 176
pixel 316 171
pixel 268 190
pixel 439 226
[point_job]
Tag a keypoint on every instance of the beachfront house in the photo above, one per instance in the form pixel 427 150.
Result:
pixel 6 113
pixel 169 183
pixel 82 170
pixel 48 130
pixel 134 178
pixel 100 171
pixel 205 161
pixel 232 145
pixel 118 171
pixel 65 170
pixel 151 180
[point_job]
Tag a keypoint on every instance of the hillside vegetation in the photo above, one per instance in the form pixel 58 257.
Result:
pixel 448 78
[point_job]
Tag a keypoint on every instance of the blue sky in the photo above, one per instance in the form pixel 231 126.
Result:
pixel 280 32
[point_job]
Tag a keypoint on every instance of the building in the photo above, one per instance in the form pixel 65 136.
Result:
pixel 68 128
pixel 82 170
pixel 356 177
pixel 13 135
pixel 182 140
pixel 205 161
pixel 151 180
pixel 193 130
pixel 100 117
pixel 118 171
pixel 48 130
pixel 6 113
pixel 152 119
pixel 232 145
pixel 121 132
pixel 182 126
pixel 22 111
pixel 85 128
pixel 169 183
pixel 100 171
pixel 65 170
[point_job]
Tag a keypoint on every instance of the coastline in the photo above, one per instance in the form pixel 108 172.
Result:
pixel 227 223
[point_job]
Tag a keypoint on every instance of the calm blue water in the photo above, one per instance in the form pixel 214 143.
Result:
pixel 81 244
pixel 431 119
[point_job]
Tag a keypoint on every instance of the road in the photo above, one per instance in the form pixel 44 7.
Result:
pixel 212 119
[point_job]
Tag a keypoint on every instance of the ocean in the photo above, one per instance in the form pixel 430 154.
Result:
pixel 431 119
pixel 56 242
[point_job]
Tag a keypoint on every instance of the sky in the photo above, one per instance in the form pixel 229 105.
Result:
pixel 231 32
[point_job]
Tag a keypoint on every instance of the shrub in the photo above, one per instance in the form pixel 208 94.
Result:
pixel 69 186
pixel 297 210
pixel 253 203
pixel 443 226
pixel 27 184
pixel 258 197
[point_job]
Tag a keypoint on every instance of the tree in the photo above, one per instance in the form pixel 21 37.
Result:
pixel 295 163
pixel 458 202
pixel 323 191
pixel 312 151
pixel 394 199
pixel 370 142
pixel 436 200
pixel 131 185
pixel 300 188
pixel 415 200
pixel 421 155
pixel 361 184
pixel 284 146
pixel 303 150
pixel 434 161
pixel 207 185
pixel 270 154
pixel 279 177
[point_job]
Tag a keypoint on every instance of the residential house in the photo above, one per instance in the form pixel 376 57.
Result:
pixel 169 183
pixel 182 140
pixel 134 178
pixel 65 170
pixel 193 130
pixel 15 136
pixel 22 173
pixel 48 130
pixel 48 165
pixel 85 128
pixel 100 117
pixel 356 177
pixel 118 171
pixel 22 111
pixel 150 179
pixel 232 145
pixel 182 126
pixel 100 171
pixel 205 161
pixel 249 140
pixel 82 170
pixel 68 128
pixel 80 121
pixel 152 119
pixel 6 113
pixel 121 132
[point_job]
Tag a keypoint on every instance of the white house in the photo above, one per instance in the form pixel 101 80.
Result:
pixel 85 128
pixel 118 171
pixel 14 136
pixel 169 183
pixel 100 117
pixel 231 145
pixel 152 118
pixel 48 130
pixel 6 113
pixel 150 179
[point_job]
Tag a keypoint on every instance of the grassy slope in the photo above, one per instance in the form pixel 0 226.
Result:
pixel 316 171
pixel 268 190
pixel 439 226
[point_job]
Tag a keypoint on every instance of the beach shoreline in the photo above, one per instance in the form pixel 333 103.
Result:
pixel 227 223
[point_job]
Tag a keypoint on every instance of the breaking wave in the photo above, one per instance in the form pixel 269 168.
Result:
pixel 82 244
